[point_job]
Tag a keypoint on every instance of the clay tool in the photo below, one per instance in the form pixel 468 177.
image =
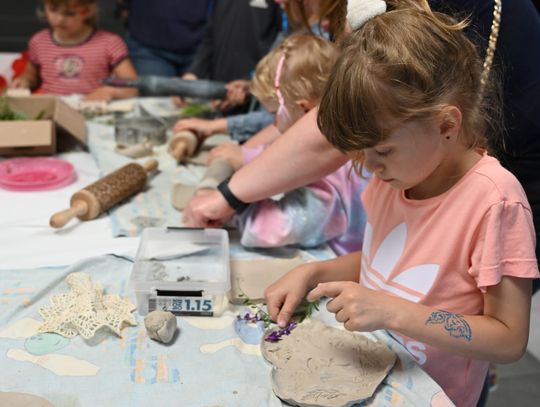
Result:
pixel 96 198
pixel 183 145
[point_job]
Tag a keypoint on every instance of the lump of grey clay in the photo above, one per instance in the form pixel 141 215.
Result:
pixel 160 325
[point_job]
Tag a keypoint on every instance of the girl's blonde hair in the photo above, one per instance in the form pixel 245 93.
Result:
pixel 406 64
pixel 92 4
pixel 308 63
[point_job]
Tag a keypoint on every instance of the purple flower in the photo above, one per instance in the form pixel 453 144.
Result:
pixel 275 336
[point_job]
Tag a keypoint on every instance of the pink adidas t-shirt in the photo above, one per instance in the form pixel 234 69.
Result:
pixel 444 251
pixel 67 69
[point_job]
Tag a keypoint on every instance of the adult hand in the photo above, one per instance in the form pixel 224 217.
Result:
pixel 230 152
pixel 237 94
pixel 358 307
pixel 207 210
pixel 179 100
pixel 283 297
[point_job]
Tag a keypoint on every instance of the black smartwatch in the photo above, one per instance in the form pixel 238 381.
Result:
pixel 235 203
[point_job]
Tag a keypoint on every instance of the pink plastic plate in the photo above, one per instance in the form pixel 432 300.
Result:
pixel 35 174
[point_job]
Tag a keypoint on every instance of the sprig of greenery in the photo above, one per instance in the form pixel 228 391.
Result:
pixel 304 310
pixel 195 110
pixel 6 113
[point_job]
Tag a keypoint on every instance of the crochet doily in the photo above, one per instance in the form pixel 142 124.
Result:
pixel 85 309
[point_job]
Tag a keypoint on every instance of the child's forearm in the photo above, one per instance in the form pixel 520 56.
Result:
pixel 499 338
pixel 342 268
pixel 122 93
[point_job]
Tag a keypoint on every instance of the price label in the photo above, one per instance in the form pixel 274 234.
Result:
pixel 187 306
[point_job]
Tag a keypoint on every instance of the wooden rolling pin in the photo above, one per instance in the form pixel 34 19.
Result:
pixel 183 144
pixel 96 198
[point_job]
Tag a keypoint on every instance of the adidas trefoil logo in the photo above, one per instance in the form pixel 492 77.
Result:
pixel 412 284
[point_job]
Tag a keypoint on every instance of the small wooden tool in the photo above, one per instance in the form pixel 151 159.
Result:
pixel 183 145
pixel 96 198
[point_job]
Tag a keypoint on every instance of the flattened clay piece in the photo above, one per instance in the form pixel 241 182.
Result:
pixel 181 194
pixel 160 325
pixel 249 278
pixel 317 365
pixel 22 400
pixel 136 150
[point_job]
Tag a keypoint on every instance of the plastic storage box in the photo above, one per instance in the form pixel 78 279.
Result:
pixel 181 270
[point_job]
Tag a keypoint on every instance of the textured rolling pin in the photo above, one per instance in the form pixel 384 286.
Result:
pixel 96 198
pixel 183 144
pixel 152 85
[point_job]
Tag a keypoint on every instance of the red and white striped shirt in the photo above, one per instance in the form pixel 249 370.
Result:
pixel 67 69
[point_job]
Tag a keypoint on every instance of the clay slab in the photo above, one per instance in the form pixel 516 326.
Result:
pixel 318 365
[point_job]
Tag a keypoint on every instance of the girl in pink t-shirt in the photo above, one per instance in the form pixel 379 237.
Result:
pixel 73 56
pixel 448 254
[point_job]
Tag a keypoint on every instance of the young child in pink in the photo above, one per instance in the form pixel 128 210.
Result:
pixel 289 82
pixel 448 255
pixel 73 56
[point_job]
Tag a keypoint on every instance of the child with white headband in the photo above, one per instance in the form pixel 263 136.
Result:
pixel 289 82
pixel 449 247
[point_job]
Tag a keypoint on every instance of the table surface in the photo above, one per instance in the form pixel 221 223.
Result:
pixel 209 363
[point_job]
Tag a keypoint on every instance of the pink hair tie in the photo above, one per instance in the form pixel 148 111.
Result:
pixel 282 109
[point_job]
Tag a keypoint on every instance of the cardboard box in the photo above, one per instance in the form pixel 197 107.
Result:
pixel 60 125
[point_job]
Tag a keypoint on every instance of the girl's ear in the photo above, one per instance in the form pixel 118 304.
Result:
pixel 305 105
pixel 450 122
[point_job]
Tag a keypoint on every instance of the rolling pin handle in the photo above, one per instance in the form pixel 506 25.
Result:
pixel 180 150
pixel 150 165
pixel 59 219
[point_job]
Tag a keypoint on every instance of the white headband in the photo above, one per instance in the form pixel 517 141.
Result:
pixel 360 11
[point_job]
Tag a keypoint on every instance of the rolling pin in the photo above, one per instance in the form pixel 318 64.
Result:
pixel 183 144
pixel 96 198
pixel 153 85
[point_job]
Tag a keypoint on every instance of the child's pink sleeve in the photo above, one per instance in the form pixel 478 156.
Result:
pixel 249 154
pixel 117 50
pixel 33 46
pixel 307 216
pixel 505 245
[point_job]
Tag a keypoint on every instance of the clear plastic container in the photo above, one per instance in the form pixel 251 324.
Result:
pixel 181 270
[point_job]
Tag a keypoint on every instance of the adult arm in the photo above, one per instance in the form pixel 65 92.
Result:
pixel 301 156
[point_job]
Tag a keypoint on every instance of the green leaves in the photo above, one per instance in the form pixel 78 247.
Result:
pixel 7 114
pixel 304 310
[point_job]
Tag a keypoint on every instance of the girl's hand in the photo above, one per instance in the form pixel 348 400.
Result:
pixel 358 307
pixel 103 93
pixel 284 296
pixel 230 152
pixel 202 127
pixel 20 83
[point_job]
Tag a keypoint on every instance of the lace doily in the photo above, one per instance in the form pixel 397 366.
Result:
pixel 85 309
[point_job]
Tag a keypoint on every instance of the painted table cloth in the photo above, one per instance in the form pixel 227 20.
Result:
pixel 210 363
